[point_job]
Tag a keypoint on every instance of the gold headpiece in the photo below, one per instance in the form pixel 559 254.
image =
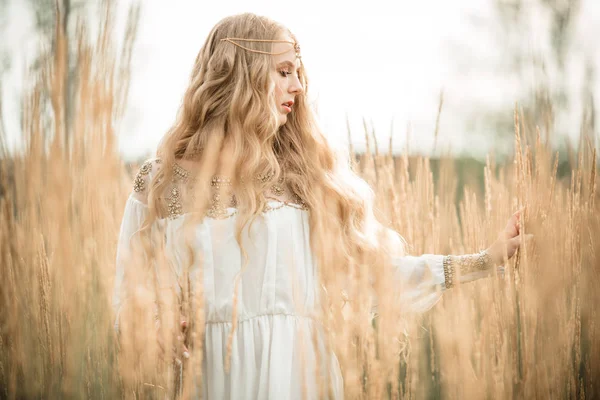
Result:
pixel 233 41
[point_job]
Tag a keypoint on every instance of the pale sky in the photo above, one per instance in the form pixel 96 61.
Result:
pixel 377 60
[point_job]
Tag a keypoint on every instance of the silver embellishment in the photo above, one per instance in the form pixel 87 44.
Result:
pixel 218 208
pixel 180 173
pixel 139 184
pixel 174 206
pixel 466 264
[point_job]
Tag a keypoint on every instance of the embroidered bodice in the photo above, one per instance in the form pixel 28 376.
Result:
pixel 270 358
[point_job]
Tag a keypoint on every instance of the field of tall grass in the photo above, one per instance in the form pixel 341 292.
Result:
pixel 532 334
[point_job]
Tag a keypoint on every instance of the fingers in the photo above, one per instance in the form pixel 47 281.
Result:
pixel 523 238
pixel 185 351
pixel 519 240
pixel 513 226
pixel 515 242
pixel 181 350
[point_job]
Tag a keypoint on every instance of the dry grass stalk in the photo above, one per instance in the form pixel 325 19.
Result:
pixel 533 333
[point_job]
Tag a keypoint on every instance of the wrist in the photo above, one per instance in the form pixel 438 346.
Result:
pixel 467 264
pixel 495 254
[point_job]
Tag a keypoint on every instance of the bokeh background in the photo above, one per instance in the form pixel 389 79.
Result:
pixel 387 64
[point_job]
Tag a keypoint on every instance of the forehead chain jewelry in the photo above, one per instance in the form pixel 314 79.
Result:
pixel 234 40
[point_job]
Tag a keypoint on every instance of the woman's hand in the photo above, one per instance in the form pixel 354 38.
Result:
pixel 183 350
pixel 509 240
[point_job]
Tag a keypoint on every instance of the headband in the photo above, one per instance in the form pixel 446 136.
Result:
pixel 234 40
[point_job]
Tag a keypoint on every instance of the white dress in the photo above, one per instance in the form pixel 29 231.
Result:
pixel 276 290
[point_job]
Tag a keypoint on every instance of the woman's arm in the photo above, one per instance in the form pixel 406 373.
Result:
pixel 425 277
pixel 133 217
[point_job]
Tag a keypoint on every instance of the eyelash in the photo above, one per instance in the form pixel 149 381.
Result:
pixel 285 73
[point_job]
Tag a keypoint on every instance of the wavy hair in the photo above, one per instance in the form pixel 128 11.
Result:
pixel 230 99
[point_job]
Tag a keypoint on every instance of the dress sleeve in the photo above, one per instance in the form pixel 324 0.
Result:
pixel 133 218
pixel 136 209
pixel 424 278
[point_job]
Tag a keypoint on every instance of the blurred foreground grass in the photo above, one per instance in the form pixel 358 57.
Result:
pixel 532 334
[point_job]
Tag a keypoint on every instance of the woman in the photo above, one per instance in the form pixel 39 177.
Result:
pixel 266 232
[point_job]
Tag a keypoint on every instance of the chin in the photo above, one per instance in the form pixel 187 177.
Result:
pixel 282 120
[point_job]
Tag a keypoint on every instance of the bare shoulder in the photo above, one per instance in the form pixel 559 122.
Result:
pixel 144 176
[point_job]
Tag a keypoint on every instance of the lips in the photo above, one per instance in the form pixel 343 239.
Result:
pixel 287 106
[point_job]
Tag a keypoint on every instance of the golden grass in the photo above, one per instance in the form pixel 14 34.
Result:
pixel 532 334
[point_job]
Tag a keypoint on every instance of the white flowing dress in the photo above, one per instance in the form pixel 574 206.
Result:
pixel 277 289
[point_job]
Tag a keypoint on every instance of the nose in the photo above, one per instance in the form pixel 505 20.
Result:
pixel 295 86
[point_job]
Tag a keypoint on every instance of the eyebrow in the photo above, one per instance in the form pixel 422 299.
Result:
pixel 288 63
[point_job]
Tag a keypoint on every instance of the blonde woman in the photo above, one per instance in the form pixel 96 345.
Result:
pixel 268 247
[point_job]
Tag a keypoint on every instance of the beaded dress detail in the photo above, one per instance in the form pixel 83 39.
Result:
pixel 273 353
pixel 220 203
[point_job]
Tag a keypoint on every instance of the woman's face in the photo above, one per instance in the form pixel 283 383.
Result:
pixel 285 75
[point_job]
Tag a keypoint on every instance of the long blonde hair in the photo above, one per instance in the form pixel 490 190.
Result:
pixel 230 98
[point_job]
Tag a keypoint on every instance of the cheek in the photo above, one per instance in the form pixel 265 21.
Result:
pixel 278 90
